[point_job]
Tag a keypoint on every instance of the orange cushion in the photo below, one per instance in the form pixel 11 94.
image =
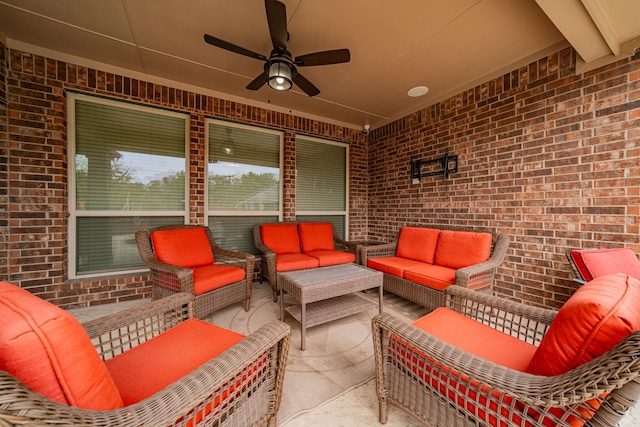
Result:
pixel 477 338
pixel 418 243
pixel 459 249
pixel 281 238
pixel 214 276
pixel 161 361
pixel 598 316
pixel 316 236
pixel 186 247
pixel 433 276
pixel 48 350
pixel 332 257
pixel 598 262
pixel 288 262
pixel 393 265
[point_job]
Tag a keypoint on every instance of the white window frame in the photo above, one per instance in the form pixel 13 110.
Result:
pixel 74 213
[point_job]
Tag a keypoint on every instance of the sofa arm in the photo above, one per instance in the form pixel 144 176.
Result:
pixel 415 383
pixel 377 251
pixel 253 369
pixel 525 322
pixel 480 276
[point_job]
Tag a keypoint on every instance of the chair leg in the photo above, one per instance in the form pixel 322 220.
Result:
pixel 247 303
pixel 382 408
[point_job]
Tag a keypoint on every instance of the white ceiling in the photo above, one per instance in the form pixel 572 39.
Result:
pixel 448 46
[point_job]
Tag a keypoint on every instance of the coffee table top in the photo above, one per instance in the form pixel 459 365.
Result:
pixel 326 282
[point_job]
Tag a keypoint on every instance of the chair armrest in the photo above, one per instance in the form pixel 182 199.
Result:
pixel 483 380
pixel 239 259
pixel 119 332
pixel 525 322
pixel 254 367
pixel 377 251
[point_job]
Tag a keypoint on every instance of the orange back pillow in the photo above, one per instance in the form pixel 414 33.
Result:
pixel 316 236
pixel 418 243
pixel 47 349
pixel 186 247
pixel 281 238
pixel 596 318
pixel 459 249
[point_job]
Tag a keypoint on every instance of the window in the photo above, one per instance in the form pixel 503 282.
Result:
pixel 321 182
pixel 127 170
pixel 244 182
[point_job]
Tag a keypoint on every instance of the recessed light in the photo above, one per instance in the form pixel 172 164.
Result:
pixel 418 91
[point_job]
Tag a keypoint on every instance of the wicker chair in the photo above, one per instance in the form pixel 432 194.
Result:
pixel 587 264
pixel 189 401
pixel 268 259
pixel 505 395
pixel 169 279
pixel 478 277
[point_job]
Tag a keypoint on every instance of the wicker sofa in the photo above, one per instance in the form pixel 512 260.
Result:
pixel 163 367
pixel 287 246
pixel 486 361
pixel 423 260
pixel 186 258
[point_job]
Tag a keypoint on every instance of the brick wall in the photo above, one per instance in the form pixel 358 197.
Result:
pixel 4 168
pixel 549 157
pixel 36 239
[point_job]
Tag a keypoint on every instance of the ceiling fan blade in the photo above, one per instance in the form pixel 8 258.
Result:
pixel 324 58
pixel 258 82
pixel 232 47
pixel 305 85
pixel 277 19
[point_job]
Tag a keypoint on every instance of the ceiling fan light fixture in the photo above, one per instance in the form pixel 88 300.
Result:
pixel 280 76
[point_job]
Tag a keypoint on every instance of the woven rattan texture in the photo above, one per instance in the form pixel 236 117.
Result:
pixel 606 386
pixel 478 277
pixel 168 279
pixel 254 368
pixel 268 258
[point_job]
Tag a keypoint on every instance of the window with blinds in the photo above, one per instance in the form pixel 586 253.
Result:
pixel 127 172
pixel 244 185
pixel 321 182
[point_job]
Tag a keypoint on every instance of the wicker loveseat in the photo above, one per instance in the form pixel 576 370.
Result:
pixel 423 260
pixel 287 246
pixel 186 258
pixel 153 365
pixel 486 361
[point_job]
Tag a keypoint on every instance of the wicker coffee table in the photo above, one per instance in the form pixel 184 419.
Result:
pixel 327 293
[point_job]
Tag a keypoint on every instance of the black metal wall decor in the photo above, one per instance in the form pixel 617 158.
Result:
pixel 443 166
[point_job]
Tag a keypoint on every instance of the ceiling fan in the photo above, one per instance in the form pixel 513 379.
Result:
pixel 280 68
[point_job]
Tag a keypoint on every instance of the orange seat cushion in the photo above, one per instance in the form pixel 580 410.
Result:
pixel 433 276
pixel 281 238
pixel 459 249
pixel 477 338
pixel 418 243
pixel 48 350
pixel 596 318
pixel 332 257
pixel 592 263
pixel 153 365
pixel 393 265
pixel 214 276
pixel 288 262
pixel 316 236
pixel 186 247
